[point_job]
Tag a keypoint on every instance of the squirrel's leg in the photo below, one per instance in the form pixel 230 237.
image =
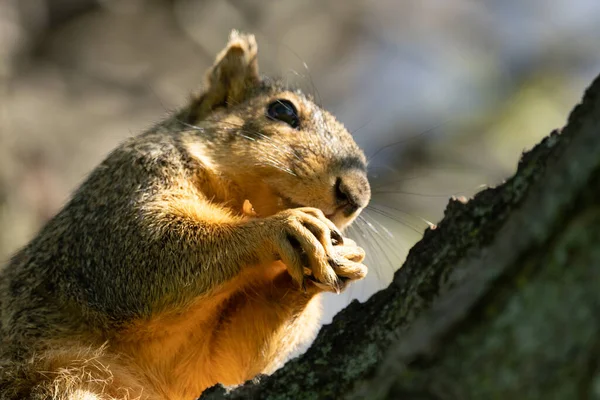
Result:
pixel 71 371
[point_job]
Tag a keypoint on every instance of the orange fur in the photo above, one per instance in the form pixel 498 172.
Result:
pixel 238 331
pixel 246 327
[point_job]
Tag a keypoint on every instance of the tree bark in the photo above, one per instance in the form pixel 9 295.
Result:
pixel 501 300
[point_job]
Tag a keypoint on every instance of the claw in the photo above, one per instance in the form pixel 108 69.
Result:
pixel 337 238
pixel 337 286
pixel 322 286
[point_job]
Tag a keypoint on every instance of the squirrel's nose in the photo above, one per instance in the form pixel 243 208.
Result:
pixel 352 191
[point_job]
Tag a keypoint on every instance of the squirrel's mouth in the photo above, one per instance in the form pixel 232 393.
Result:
pixel 338 217
pixel 289 203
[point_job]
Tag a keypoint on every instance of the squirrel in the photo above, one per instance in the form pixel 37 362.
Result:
pixel 194 254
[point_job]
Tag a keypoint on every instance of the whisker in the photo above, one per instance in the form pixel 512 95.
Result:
pixel 408 178
pixel 247 137
pixel 408 139
pixel 314 90
pixel 269 140
pixel 403 212
pixel 447 195
pixel 394 251
pixel 191 126
pixel 276 164
pixel 271 161
pixel 372 168
pixel 370 243
pixel 390 236
pixel 389 215
pixel 418 194
pixel 380 251
pixel 369 219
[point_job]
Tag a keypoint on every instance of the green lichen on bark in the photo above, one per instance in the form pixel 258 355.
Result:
pixel 535 337
pixel 500 300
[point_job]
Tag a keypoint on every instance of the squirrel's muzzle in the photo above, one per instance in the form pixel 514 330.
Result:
pixel 352 192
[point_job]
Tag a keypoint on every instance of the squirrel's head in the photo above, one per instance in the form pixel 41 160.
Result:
pixel 279 148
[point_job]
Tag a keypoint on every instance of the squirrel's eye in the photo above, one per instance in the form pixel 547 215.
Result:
pixel 283 110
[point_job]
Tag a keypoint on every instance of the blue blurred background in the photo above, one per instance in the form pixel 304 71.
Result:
pixel 443 95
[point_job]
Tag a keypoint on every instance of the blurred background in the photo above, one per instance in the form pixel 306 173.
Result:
pixel 443 95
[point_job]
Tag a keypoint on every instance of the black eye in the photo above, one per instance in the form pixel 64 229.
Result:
pixel 283 110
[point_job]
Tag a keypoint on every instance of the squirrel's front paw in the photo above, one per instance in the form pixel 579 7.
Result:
pixel 348 262
pixel 310 245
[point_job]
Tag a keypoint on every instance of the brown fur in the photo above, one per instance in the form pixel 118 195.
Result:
pixel 153 282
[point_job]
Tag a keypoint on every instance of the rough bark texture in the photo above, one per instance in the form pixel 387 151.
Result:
pixel 502 300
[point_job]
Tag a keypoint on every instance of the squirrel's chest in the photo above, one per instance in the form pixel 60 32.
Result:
pixel 248 327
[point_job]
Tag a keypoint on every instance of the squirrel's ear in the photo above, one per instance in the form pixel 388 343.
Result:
pixel 233 74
